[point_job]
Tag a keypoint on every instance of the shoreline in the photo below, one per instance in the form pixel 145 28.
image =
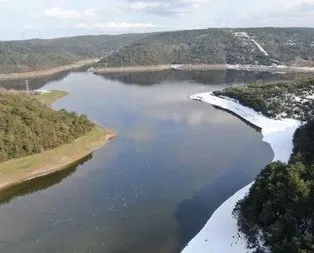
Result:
pixel 56 163
pixel 20 170
pixel 50 97
pixel 47 72
pixel 220 233
pixel 201 67
pixel 131 69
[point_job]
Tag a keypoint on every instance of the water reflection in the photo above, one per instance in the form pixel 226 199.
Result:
pixel 151 78
pixel 173 163
pixel 39 184
pixel 38 82
pixel 203 77
pixel 192 214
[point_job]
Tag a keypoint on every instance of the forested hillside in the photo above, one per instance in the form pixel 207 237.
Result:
pixel 219 46
pixel 37 54
pixel 27 126
pixel 266 46
pixel 277 215
pixel 289 45
pixel 279 100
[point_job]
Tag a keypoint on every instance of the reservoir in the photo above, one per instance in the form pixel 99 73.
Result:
pixel 154 186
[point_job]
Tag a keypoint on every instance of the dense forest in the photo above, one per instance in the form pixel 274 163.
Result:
pixel 278 212
pixel 27 126
pixel 35 54
pixel 218 46
pixel 304 144
pixel 277 100
pixel 277 215
pixel 289 45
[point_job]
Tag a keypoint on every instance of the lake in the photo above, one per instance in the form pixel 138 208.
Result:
pixel 154 186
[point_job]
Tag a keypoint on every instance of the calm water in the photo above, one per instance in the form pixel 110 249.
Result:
pixel 174 161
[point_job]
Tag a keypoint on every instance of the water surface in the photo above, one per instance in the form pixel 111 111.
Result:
pixel 174 161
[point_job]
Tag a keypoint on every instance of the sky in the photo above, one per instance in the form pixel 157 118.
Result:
pixel 24 19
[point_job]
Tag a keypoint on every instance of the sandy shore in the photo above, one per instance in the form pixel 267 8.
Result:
pixel 51 161
pixel 34 74
pixel 48 162
pixel 131 69
pixel 26 168
pixel 157 68
pixel 200 67
pixel 220 233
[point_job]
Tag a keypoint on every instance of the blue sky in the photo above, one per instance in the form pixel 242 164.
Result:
pixel 23 19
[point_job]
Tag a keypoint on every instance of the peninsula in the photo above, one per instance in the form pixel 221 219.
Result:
pixel 37 140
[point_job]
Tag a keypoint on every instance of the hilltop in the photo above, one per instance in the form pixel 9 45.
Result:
pixel 261 46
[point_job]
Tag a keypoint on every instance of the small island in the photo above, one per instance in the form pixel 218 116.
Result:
pixel 37 140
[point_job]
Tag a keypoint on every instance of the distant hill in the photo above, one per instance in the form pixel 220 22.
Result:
pixel 266 46
pixel 38 54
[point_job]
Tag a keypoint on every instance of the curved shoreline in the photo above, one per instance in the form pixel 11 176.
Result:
pixel 220 234
pixel 47 72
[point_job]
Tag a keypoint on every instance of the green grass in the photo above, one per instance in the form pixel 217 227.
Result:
pixel 51 97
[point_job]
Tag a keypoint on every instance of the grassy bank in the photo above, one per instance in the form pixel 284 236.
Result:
pixel 50 97
pixel 22 169
pixel 46 72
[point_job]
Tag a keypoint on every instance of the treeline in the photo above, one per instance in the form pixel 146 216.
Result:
pixel 37 54
pixel 28 127
pixel 278 212
pixel 218 46
pixel 303 150
pixel 284 100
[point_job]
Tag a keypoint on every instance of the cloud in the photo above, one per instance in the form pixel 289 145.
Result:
pixel 122 25
pixel 305 1
pixel 29 27
pixel 59 13
pixel 298 13
pixel 165 7
pixel 115 25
